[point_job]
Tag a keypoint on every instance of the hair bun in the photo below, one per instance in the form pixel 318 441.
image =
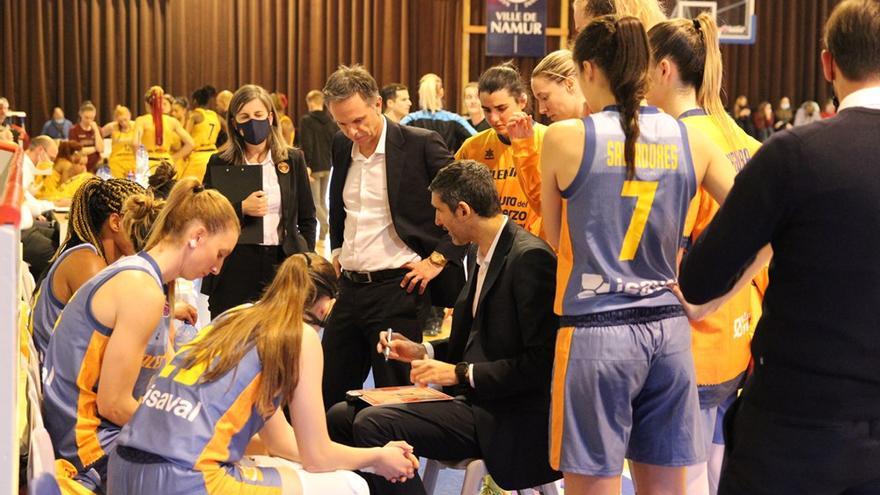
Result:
pixel 139 205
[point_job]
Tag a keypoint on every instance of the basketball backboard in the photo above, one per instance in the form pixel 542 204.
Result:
pixel 737 22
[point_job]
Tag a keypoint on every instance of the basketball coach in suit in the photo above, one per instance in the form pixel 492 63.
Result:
pixel 497 361
pixel 393 260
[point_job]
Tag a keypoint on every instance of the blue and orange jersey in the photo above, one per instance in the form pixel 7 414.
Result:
pixel 47 307
pixel 72 368
pixel 620 237
pixel 721 341
pixel 197 424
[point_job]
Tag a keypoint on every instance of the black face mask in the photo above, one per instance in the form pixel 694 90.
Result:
pixel 254 131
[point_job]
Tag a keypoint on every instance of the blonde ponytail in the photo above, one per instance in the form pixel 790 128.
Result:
pixel 692 45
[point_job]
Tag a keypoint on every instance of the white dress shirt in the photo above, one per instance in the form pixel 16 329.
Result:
pixel 273 196
pixel 483 262
pixel 370 242
pixel 867 98
pixel 34 205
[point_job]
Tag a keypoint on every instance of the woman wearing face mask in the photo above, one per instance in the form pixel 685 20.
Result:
pixel 554 83
pixel 284 202
pixel 122 135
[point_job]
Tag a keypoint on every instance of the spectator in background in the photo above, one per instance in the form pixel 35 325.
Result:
pixel 650 12
pixel 19 135
pixel 784 115
pixel 4 112
pixel 807 114
pixel 316 131
pixel 6 134
pixel 288 130
pixel 167 100
pixel 830 109
pixel 742 114
pixel 122 138
pixel 179 109
pixel 451 126
pixel 395 101
pixel 203 125
pixel 40 240
pixel 156 131
pixel 87 133
pixel 57 127
pixel 476 116
pixel 37 161
pixel 763 120
pixel 221 103
pixel 69 173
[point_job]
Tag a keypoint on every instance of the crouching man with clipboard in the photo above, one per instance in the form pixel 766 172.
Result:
pixel 268 185
pixel 497 361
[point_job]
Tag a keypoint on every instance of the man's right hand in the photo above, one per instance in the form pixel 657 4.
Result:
pixel 255 205
pixel 401 348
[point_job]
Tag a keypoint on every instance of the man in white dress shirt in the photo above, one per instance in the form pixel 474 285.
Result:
pixel 385 244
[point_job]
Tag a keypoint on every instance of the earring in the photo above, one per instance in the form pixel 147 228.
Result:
pixel 192 243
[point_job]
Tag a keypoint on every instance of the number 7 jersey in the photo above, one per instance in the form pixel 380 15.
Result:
pixel 620 237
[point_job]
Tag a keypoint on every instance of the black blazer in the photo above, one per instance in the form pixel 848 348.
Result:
pixel 298 224
pixel 517 331
pixel 413 157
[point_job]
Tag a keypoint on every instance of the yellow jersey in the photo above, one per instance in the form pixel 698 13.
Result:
pixel 54 189
pixel 205 133
pixel 122 151
pixel 721 341
pixel 148 137
pixel 515 166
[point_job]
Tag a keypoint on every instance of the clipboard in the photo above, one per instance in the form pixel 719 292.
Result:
pixel 237 183
pixel 397 395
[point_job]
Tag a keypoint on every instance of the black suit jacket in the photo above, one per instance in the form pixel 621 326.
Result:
pixel 298 224
pixel 517 331
pixel 413 157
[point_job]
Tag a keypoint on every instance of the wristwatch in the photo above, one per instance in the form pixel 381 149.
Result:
pixel 437 259
pixel 461 373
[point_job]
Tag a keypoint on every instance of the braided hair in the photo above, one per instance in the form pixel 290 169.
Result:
pixel 92 205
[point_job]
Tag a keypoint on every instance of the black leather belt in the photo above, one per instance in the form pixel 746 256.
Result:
pixel 377 276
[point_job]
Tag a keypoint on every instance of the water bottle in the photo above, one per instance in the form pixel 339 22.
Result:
pixel 142 166
pixel 103 172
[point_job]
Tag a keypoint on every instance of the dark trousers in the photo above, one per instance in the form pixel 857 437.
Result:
pixel 247 270
pixel 773 454
pixel 38 246
pixel 360 313
pixel 444 431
